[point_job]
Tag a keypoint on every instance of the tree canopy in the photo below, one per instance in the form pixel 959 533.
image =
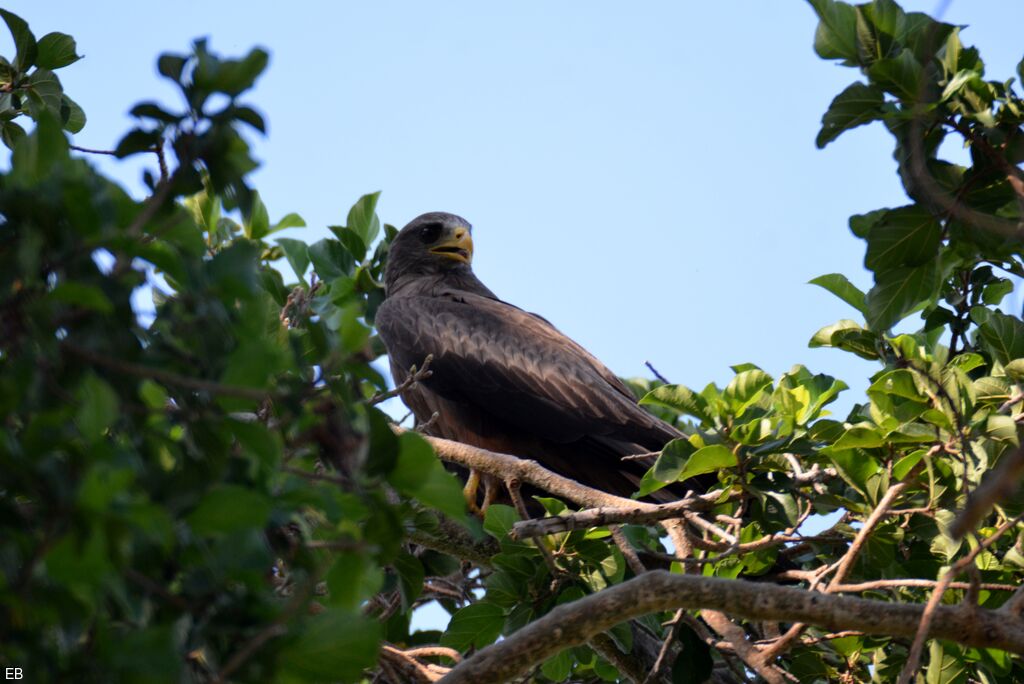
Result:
pixel 214 494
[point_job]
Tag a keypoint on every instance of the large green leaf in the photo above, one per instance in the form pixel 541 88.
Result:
pixel 25 45
pixel 56 50
pixel 857 105
pixel 836 35
pixel 898 292
pixel 362 218
pixel 334 646
pixel 907 236
pixel 478 624
pixel 230 508
pixel 1003 335
pixel 841 287
pixel 679 398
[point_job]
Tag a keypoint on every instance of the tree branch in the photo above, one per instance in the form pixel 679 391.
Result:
pixel 574 623
pixel 639 513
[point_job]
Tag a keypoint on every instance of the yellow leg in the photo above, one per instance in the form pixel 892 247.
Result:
pixel 469 493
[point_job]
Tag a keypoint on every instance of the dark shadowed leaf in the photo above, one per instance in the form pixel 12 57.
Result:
pixel 478 624
pixel 24 41
pixel 333 646
pixel 836 35
pixel 898 292
pixel 907 236
pixel 857 105
pixel 56 50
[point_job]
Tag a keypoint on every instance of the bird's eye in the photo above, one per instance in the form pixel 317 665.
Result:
pixel 430 232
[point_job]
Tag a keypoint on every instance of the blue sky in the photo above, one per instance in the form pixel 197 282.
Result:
pixel 641 174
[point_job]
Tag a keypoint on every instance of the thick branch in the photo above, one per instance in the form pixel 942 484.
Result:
pixel 574 623
pixel 504 466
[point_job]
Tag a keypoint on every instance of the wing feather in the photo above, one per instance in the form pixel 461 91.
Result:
pixel 516 366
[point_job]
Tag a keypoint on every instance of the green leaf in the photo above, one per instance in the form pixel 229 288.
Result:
pixel 861 224
pixel 836 35
pixel 745 389
pixel 362 218
pixel 1002 429
pixel 256 222
pixel 351 580
pixel 229 508
pixel 707 459
pixel 419 474
pixel 841 287
pixel 945 667
pixel 1015 369
pixel 898 292
pixel 37 155
pixel 478 624
pixel 171 66
pixel 44 85
pixel 907 236
pixel 11 133
pixel 333 646
pixel 56 50
pixel 695 662
pixel 848 336
pixel 899 382
pixel 98 407
pixel 330 259
pixel 83 295
pixel 902 76
pixel 864 436
pixel 669 465
pixel 24 41
pixel 857 105
pixel 558 667
pixel 297 254
pixel 71 115
pixel 498 520
pixel 290 220
pixel 679 398
pixel 856 466
pixel 1003 335
pixel 410 578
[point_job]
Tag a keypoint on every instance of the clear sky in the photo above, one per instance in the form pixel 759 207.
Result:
pixel 641 174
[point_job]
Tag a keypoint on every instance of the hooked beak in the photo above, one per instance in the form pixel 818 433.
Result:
pixel 458 247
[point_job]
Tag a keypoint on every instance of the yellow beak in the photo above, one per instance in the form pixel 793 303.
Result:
pixel 458 247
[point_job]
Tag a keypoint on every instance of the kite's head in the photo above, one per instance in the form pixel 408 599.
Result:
pixel 432 244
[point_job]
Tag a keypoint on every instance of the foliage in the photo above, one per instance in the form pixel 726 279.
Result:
pixel 214 495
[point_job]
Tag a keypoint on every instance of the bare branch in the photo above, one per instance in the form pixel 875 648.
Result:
pixel 638 513
pixel 574 623
pixel 415 376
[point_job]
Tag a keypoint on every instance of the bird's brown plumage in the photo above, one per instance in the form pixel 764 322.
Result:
pixel 504 379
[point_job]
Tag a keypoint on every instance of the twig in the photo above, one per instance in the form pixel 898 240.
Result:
pixel 658 375
pixel 912 584
pixel 673 631
pixel 636 513
pixel 628 552
pixel 573 623
pixel 415 376
pixel 848 559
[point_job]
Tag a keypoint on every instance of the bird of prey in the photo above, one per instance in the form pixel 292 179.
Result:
pixel 504 379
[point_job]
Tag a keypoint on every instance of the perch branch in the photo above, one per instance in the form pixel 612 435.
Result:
pixel 574 623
